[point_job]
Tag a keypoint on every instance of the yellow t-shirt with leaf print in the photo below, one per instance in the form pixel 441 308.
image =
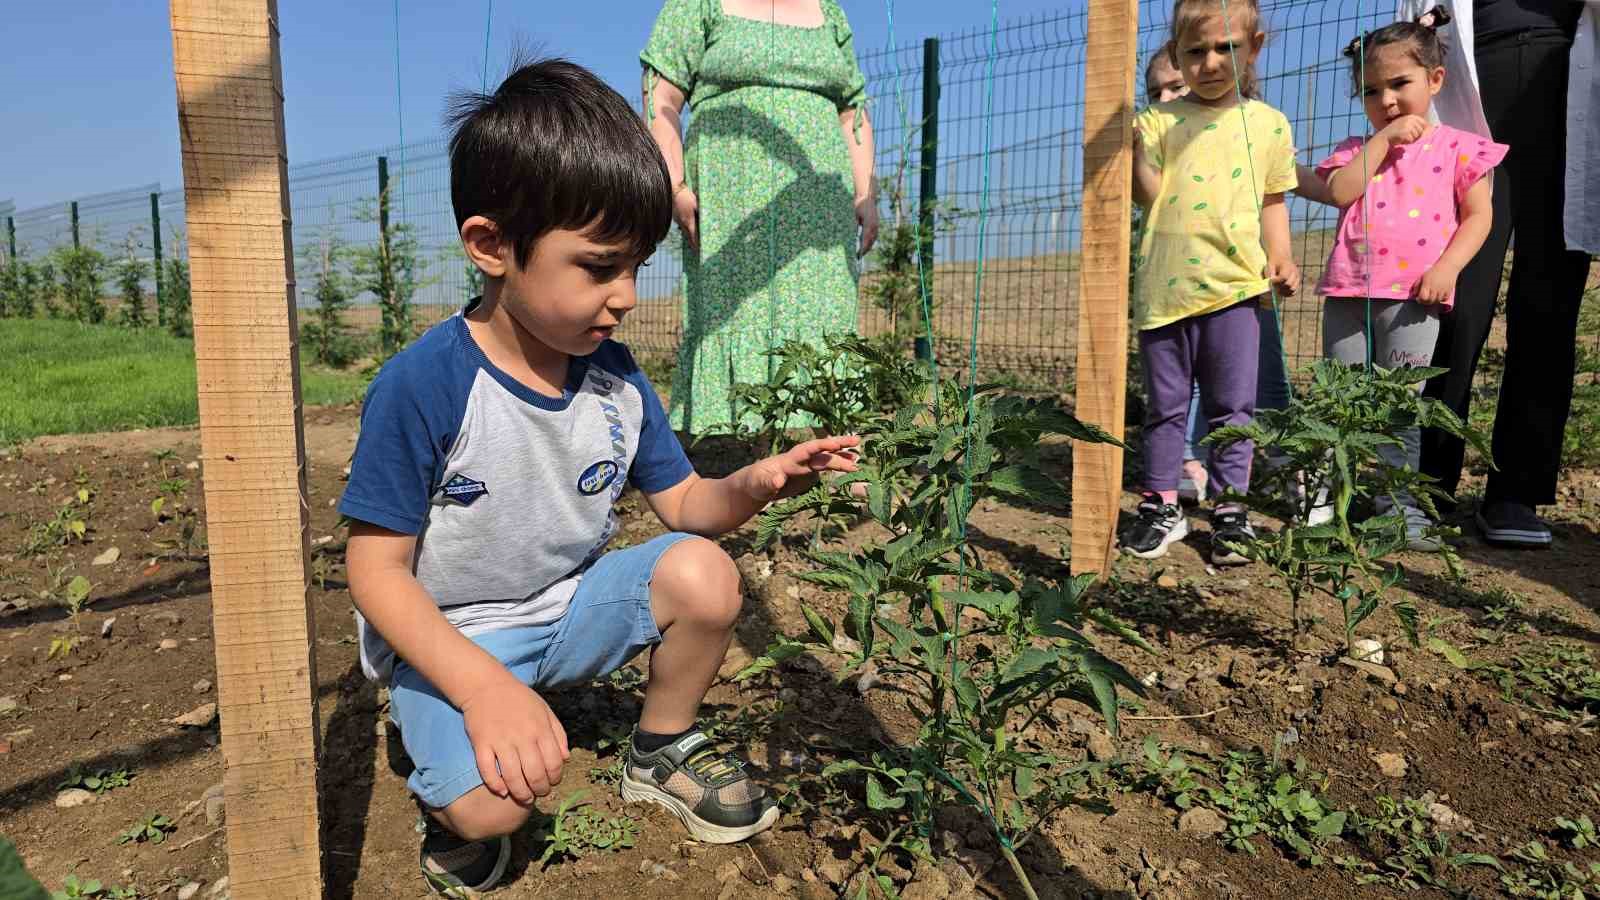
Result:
pixel 1201 249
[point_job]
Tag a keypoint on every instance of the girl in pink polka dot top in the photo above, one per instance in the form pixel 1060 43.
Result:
pixel 1415 209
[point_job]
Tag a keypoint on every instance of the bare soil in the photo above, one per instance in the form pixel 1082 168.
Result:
pixel 1225 678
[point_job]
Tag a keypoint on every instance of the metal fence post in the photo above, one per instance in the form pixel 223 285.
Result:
pixel 928 191
pixel 74 224
pixel 383 196
pixel 155 232
pixel 11 238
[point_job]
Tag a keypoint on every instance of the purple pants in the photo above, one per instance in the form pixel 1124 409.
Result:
pixel 1218 352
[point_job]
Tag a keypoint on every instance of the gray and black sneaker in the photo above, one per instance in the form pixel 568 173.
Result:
pixel 709 792
pixel 457 867
pixel 1230 531
pixel 1156 527
pixel 1510 524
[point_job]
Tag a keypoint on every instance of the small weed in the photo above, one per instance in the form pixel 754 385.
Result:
pixel 99 780
pixel 63 645
pixel 1557 680
pixel 1410 850
pixel 153 828
pixel 750 725
pixel 1544 878
pixel 69 524
pixel 577 830
pixel 1253 795
pixel 75 888
pixel 1578 833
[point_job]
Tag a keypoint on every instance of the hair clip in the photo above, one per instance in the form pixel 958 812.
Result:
pixel 1353 49
pixel 1435 18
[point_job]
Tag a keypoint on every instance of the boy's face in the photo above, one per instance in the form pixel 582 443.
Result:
pixel 573 292
pixel 1209 53
pixel 1162 81
pixel 1394 84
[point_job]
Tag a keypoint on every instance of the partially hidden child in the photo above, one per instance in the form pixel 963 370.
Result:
pixel 1415 209
pixel 483 494
pixel 1210 170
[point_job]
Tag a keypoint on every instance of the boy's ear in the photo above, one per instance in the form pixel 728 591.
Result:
pixel 480 239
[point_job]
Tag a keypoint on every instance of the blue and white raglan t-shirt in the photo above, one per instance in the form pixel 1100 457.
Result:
pixel 510 493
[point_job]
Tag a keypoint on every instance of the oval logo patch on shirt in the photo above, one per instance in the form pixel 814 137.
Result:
pixel 597 477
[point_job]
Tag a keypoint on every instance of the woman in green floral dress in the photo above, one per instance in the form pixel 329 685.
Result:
pixel 770 187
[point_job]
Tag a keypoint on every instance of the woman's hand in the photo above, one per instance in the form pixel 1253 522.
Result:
pixel 686 212
pixel 867 219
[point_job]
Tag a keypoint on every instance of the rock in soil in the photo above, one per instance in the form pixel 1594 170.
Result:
pixel 199 717
pixel 216 805
pixel 1201 821
pixel 219 887
pixel 1392 765
pixel 1101 749
pixel 927 883
pixel 188 891
pixel 71 797
pixel 202 686
pixel 107 557
pixel 167 644
pixel 105 627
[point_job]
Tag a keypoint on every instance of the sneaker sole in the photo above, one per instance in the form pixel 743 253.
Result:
pixel 1512 537
pixel 467 890
pixel 1228 558
pixel 1178 533
pixel 634 791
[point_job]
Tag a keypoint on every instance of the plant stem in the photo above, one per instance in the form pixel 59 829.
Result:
pixel 1016 866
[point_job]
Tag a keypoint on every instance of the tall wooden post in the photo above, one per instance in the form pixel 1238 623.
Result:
pixel 1110 68
pixel 230 115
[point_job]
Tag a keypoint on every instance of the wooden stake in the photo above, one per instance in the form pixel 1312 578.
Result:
pixel 230 115
pixel 1109 72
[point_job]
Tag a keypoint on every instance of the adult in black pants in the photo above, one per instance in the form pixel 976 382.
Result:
pixel 1522 49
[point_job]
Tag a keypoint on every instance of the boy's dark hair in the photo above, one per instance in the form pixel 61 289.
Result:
pixel 1420 39
pixel 554 147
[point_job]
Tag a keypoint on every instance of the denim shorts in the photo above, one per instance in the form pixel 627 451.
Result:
pixel 608 623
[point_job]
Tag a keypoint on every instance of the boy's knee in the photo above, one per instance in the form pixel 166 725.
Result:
pixel 478 815
pixel 702 580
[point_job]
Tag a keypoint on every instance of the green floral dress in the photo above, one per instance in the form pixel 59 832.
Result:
pixel 767 159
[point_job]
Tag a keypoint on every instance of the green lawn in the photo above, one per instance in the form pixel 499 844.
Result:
pixel 59 377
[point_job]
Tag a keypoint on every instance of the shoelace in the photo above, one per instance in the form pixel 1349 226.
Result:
pixel 717 769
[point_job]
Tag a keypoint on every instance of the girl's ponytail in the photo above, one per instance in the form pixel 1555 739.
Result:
pixel 1420 37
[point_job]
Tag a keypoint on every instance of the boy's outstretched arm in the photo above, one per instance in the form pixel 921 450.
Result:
pixel 713 506
pixel 519 743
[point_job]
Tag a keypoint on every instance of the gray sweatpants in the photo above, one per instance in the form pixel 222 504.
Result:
pixel 1404 332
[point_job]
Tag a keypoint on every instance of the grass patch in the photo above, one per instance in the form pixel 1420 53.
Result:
pixel 62 377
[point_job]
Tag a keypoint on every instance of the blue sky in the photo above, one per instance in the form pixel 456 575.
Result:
pixel 90 101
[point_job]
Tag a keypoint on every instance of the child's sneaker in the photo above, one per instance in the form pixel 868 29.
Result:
pixel 708 791
pixel 1230 531
pixel 457 867
pixel 1157 526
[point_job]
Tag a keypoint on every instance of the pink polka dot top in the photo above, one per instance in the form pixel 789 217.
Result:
pixel 1402 225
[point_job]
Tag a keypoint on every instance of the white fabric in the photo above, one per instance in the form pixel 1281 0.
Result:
pixel 1459 104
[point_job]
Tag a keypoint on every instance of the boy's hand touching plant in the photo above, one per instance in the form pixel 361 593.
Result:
pixel 795 471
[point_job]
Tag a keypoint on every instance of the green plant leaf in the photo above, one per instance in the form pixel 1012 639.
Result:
pixel 1331 825
pixel 1028 483
pixel 1451 654
pixel 819 626
pixel 877 799
pixel 1029 661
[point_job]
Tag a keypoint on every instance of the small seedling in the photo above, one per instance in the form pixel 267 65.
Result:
pixel 1578 833
pixel 577 830
pixel 1544 878
pixel 99 781
pixel 75 888
pixel 1557 680
pixel 1410 850
pixel 153 828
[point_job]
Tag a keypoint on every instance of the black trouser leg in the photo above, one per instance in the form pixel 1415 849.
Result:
pixel 1546 281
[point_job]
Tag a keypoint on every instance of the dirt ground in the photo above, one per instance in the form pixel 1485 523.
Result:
pixel 1223 677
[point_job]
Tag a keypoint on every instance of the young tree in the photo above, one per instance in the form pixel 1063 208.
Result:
pixel 82 271
pixel 131 271
pixel 392 270
pixel 330 339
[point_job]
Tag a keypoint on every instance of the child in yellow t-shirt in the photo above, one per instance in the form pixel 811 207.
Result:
pixel 1211 170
